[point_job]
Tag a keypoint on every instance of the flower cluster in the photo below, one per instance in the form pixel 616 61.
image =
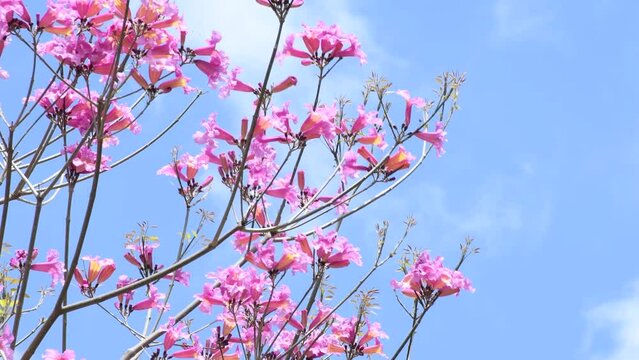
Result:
pixel 98 272
pixel 427 276
pixel 53 266
pixel 275 191
pixel 323 45
pixel 85 39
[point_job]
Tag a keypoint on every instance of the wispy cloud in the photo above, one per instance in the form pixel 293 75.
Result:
pixel 615 323
pixel 518 20
pixel 501 211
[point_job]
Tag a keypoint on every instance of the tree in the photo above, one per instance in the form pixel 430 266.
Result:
pixel 96 68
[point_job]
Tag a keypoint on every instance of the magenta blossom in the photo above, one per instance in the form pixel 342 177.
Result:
pixel 154 300
pixel 53 265
pixel 410 102
pixel 98 272
pixel 173 333
pixel 427 275
pixel 350 168
pixel 180 276
pixel 51 354
pixel 320 122
pixel 293 257
pixel 124 299
pixel 437 138
pixel 84 162
pixel 345 331
pixel 5 342
pixel 334 250
pixel 185 169
pixel 237 286
pixel 364 120
pixel 144 258
pixel 216 68
pixel 324 44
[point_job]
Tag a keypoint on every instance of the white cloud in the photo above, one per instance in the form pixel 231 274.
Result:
pixel 517 20
pixel 249 29
pixel 616 323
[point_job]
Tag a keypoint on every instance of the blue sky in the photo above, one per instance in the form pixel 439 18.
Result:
pixel 541 165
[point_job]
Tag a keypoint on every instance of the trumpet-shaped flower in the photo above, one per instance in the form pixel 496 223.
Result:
pixel 5 342
pixel 185 169
pixel 346 331
pixel 236 286
pixel 173 333
pixel 398 161
pixel 324 44
pixel 53 265
pixel 180 276
pixel 51 354
pixel 430 275
pixel 84 161
pixel 334 250
pixel 293 257
pixel 437 138
pixel 410 102
pixel 153 300
pixel 99 271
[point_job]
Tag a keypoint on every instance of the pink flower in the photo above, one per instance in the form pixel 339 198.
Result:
pixel 233 83
pixel 323 44
pixel 356 132
pixel 51 16
pixel 345 335
pixel 323 315
pixel 152 301
pixel 84 161
pixel 186 168
pixel 216 68
pixel 334 250
pixel 437 138
pixel 242 240
pixel 212 131
pixel 398 161
pixel 173 332
pixel 410 102
pixel 237 286
pixel 51 354
pixel 320 122
pixel 180 276
pixel 285 84
pixel 5 342
pixel 124 299
pixel 144 252
pixel 293 257
pixel 99 271
pixel 53 266
pixel 20 258
pixel 163 87
pixel 119 118
pixel 189 352
pixel 261 164
pixel 426 274
pixel 350 168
